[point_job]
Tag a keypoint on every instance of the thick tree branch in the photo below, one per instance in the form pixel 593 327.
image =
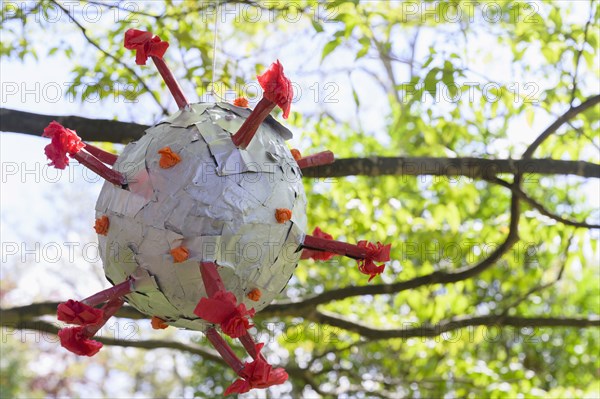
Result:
pixel 475 168
pixel 27 313
pixel 87 129
pixel 46 327
pixel 409 330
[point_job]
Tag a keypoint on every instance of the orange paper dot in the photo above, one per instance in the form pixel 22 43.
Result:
pixel 283 215
pixel 254 295
pixel 241 102
pixel 158 323
pixel 180 254
pixel 168 158
pixel 296 154
pixel 101 225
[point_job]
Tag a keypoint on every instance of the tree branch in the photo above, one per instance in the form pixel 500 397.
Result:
pixel 412 330
pixel 46 327
pixel 570 114
pixel 580 51
pixel 27 313
pixel 474 168
pixel 88 129
pixel 541 209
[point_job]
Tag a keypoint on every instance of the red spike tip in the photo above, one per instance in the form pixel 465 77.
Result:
pixel 320 246
pixel 278 88
pixel 67 142
pixel 278 91
pixel 147 45
pixel 64 141
pixel 318 159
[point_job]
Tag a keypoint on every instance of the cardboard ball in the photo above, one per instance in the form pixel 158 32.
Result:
pixel 192 196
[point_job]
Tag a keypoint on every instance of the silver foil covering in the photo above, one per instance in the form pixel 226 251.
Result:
pixel 219 202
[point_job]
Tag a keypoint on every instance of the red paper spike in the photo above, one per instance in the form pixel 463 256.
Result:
pixel 102 155
pixel 222 309
pixel 364 252
pixel 318 254
pixel 252 348
pixel 109 310
pixel 118 291
pixel 93 164
pixel 67 142
pixel 64 141
pixel 211 278
pixel 318 159
pixel 224 350
pixel 221 305
pixel 147 45
pixel 278 88
pixel 77 339
pixel 257 374
pixel 277 91
pixel 337 247
pixel 75 312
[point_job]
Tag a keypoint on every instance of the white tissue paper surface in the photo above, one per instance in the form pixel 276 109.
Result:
pixel 219 202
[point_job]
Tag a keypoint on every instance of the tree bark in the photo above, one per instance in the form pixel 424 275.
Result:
pixel 88 129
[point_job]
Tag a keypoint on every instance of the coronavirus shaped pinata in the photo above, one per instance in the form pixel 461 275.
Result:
pixel 202 221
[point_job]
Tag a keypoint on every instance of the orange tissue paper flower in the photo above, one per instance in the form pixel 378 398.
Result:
pixel 283 215
pixel 254 295
pixel 158 323
pixel 101 225
pixel 168 158
pixel 180 254
pixel 296 154
pixel 241 102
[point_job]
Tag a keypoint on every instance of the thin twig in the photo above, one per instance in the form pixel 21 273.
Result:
pixel 109 55
pixel 542 287
pixel 540 208
pixel 578 56
pixel 568 115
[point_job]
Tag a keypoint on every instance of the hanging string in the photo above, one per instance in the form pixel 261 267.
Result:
pixel 214 63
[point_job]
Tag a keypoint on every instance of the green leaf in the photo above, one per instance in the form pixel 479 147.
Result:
pixel 329 47
pixel 317 25
pixel 530 114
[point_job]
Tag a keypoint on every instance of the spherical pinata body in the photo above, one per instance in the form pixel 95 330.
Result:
pixel 219 202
